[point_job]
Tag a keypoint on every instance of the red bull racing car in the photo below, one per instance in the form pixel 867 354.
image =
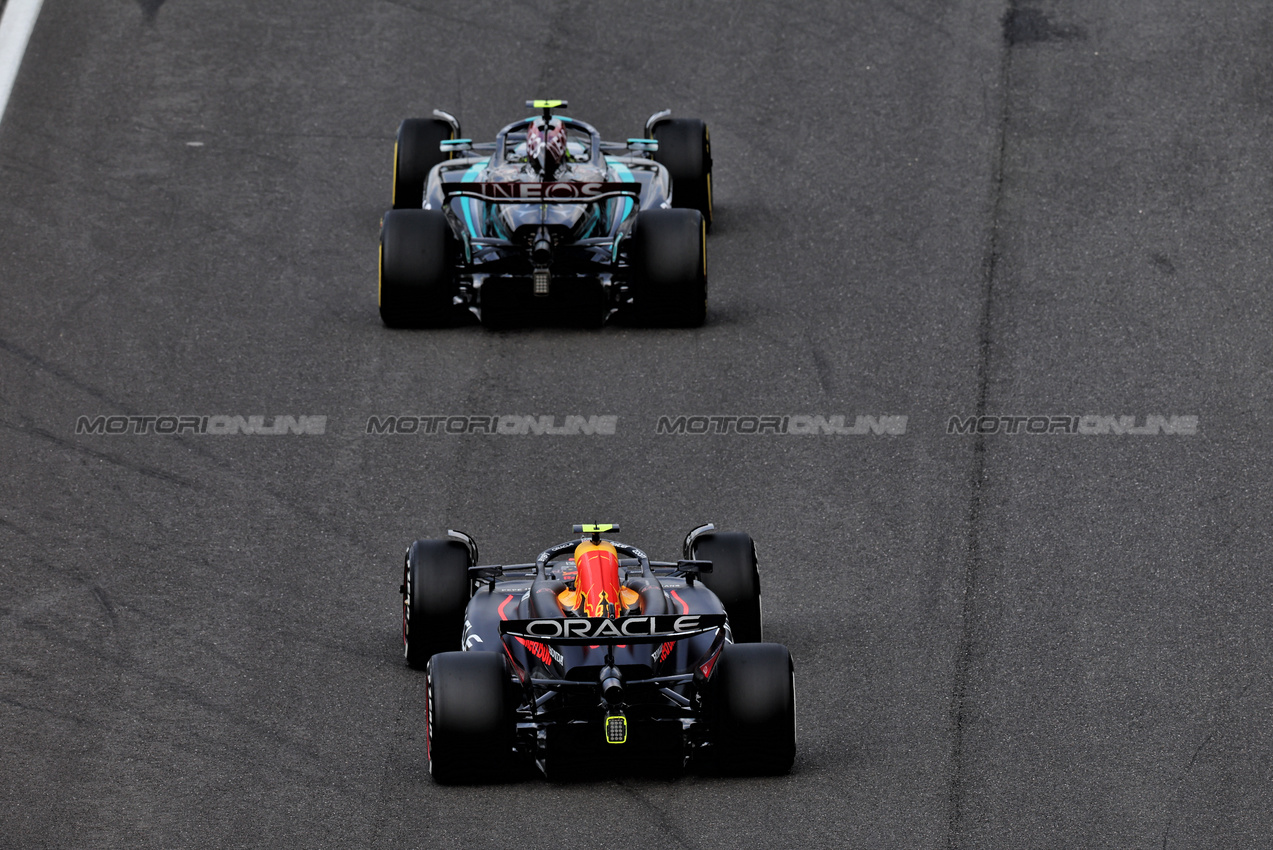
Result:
pixel 596 656
pixel 548 223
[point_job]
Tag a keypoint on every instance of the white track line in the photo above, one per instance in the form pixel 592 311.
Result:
pixel 15 30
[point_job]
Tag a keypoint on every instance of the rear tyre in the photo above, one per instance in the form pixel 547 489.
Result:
pixel 415 152
pixel 753 709
pixel 735 579
pixel 469 717
pixel 417 269
pixel 667 255
pixel 685 150
pixel 435 595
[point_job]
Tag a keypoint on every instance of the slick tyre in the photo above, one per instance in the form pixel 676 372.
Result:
pixel 435 594
pixel 735 579
pixel 417 269
pixel 685 150
pixel 667 255
pixel 753 710
pixel 415 152
pixel 469 718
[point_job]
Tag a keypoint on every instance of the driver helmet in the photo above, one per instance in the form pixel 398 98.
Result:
pixel 546 145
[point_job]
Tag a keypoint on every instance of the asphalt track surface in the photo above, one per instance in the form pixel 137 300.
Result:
pixel 926 209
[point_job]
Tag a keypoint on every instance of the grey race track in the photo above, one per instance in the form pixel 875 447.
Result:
pixel 927 209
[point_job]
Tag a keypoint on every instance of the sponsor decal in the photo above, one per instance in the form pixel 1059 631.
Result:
pixel 540 651
pixel 600 628
pixel 531 193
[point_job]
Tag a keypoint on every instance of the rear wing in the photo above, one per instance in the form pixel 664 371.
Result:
pixel 565 192
pixel 688 568
pixel 602 630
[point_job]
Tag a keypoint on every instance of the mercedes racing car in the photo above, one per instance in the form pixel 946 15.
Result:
pixel 595 656
pixel 548 223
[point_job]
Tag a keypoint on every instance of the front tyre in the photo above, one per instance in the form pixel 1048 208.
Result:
pixel 435 595
pixel 752 706
pixel 469 719
pixel 417 269
pixel 667 258
pixel 685 150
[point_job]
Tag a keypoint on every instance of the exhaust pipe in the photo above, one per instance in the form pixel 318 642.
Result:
pixel 611 684
pixel 541 252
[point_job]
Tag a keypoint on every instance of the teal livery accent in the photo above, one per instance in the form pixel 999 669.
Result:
pixel 470 176
pixel 625 176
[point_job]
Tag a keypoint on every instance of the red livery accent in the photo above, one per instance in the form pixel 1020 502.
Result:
pixel 534 647
pixel 709 665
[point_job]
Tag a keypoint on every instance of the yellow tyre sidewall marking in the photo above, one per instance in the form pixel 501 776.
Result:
pixel 702 249
pixel 707 142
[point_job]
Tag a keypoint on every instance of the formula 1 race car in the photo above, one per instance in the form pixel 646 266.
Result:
pixel 595 656
pixel 547 224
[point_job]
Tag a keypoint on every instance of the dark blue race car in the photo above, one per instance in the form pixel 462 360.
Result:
pixel 596 657
pixel 547 224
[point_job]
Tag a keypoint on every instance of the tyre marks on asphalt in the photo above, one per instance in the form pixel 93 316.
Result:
pixel 959 709
pixel 1027 25
pixel 213 460
pixel 29 429
pixel 150 9
pixel 1022 25
pixel 656 813
pixel 59 373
